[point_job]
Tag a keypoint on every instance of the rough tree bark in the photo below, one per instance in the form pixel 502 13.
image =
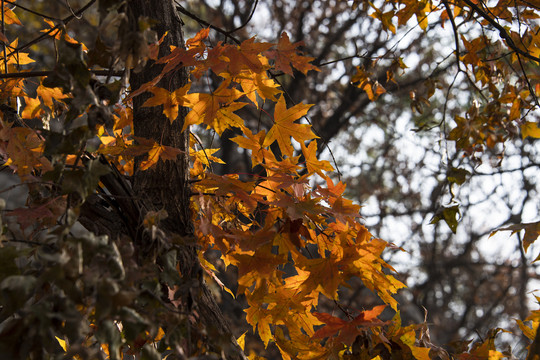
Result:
pixel 166 186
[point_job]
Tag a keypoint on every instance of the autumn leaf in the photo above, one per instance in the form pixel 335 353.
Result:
pixel 32 108
pixel 211 109
pixel 346 331
pixel 48 94
pixel 62 343
pixel 419 353
pixel 246 56
pixel 286 56
pixel 160 152
pixel 18 58
pixel 386 19
pixel 226 118
pixel 170 100
pixel 532 232
pixel 285 127
pixel 258 83
pixel 57 32
pixel 253 142
pixel 530 129
pixel 24 151
pixel 198 39
pixel 26 217
pixel 261 318
pixel 206 155
pixel 313 164
pixel 123 117
pixel 10 17
pixel 46 213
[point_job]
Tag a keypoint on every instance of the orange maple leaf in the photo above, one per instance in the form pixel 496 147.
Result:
pixel 246 56
pixel 215 109
pixel 284 127
pixel 346 331
pixel 253 142
pixel 56 34
pixel 312 163
pixel 258 82
pixel 162 152
pixel 198 39
pixel 287 54
pixel 170 100
pixel 48 94
pixel 10 17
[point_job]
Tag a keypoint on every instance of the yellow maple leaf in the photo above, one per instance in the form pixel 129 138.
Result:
pixel 258 83
pixel 62 343
pixel 10 17
pixel 209 108
pixel 226 118
pixel 206 155
pixel 530 129
pixel 285 127
pixel 32 108
pixel 253 142
pixel 162 152
pixel 312 163
pixel 170 100
pixel 48 94
pixel 18 58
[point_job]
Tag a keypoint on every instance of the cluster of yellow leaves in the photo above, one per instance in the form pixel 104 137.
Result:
pixel 504 96
pixel 263 225
pixel 372 88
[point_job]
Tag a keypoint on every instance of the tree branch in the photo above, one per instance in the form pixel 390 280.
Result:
pixel 32 11
pixel 183 10
pixel 38 73
pixel 62 23
pixel 502 31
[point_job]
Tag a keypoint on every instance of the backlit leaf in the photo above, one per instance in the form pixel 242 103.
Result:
pixel 285 127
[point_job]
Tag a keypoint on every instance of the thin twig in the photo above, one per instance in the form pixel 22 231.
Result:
pixel 502 31
pixel 29 74
pixel 248 19
pixel 529 85
pixel 345 58
pixel 32 11
pixel 454 27
pixel 62 23
pixel 205 23
pixel 78 17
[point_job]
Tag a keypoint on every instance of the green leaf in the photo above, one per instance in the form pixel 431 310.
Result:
pixel 170 275
pixel 15 291
pixel 133 324
pixel 108 333
pixel 149 353
pixel 450 215
pixel 84 182
pixel 457 175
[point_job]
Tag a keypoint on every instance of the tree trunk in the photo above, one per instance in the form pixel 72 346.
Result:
pixel 166 185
